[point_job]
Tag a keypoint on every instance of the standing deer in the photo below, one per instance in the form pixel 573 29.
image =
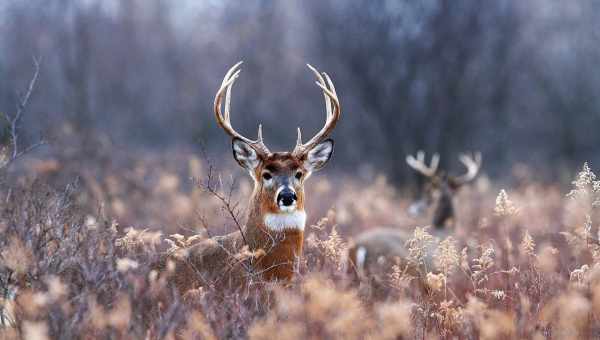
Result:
pixel 274 230
pixel 374 251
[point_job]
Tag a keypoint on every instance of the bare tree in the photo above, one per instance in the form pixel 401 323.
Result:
pixel 435 75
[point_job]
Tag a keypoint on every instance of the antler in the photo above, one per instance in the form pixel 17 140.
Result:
pixel 224 119
pixel 472 163
pixel 332 105
pixel 419 163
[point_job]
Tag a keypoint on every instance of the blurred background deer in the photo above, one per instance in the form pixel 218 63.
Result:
pixel 440 188
pixel 373 252
pixel 269 244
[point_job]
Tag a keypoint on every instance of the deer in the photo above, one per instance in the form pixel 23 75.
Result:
pixel 375 251
pixel 275 214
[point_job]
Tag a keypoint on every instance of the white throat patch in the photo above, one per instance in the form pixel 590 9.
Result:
pixel 286 221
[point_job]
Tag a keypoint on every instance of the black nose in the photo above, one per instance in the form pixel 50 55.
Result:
pixel 286 197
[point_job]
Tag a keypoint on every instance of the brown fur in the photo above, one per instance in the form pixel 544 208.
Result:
pixel 443 191
pixel 386 247
pixel 213 262
pixel 285 164
pixel 281 254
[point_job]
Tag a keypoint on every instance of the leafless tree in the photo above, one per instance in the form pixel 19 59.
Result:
pixel 434 75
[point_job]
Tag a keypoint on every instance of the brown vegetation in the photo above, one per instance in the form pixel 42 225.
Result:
pixel 373 254
pixel 521 263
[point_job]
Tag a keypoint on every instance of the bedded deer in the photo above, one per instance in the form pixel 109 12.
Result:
pixel 375 251
pixel 274 229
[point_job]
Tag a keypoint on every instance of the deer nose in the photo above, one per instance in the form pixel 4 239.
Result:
pixel 286 197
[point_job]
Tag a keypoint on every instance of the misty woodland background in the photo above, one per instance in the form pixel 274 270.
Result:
pixel 514 79
pixel 123 106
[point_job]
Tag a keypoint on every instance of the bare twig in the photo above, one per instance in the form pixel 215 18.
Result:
pixel 229 206
pixel 204 223
pixel 14 121
pixel 214 186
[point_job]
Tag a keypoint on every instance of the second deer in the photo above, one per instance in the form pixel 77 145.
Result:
pixel 374 251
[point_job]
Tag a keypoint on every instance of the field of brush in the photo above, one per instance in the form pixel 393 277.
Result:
pixel 78 238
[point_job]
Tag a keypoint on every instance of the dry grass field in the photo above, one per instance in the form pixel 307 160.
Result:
pixel 521 261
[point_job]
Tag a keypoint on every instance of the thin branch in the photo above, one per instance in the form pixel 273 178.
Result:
pixel 14 121
pixel 204 223
pixel 226 200
pixel 22 153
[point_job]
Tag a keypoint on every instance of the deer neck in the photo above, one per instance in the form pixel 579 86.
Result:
pixel 444 210
pixel 291 222
pixel 277 237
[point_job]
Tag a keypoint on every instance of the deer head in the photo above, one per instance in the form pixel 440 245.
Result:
pixel 440 187
pixel 279 177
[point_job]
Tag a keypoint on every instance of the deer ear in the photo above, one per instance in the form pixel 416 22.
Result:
pixel 245 154
pixel 318 156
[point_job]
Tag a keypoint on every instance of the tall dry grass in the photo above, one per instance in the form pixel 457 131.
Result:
pixel 522 261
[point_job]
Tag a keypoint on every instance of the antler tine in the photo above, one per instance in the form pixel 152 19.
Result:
pixel 233 69
pixel 321 82
pixel 421 156
pixel 415 163
pixel 228 96
pixel 224 118
pixel 330 83
pixel 435 162
pixel 332 89
pixel 419 163
pixel 333 110
pixel 472 163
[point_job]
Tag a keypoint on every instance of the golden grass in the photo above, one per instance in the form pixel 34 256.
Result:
pixel 522 262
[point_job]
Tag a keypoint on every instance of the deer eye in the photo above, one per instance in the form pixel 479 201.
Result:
pixel 299 175
pixel 267 176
